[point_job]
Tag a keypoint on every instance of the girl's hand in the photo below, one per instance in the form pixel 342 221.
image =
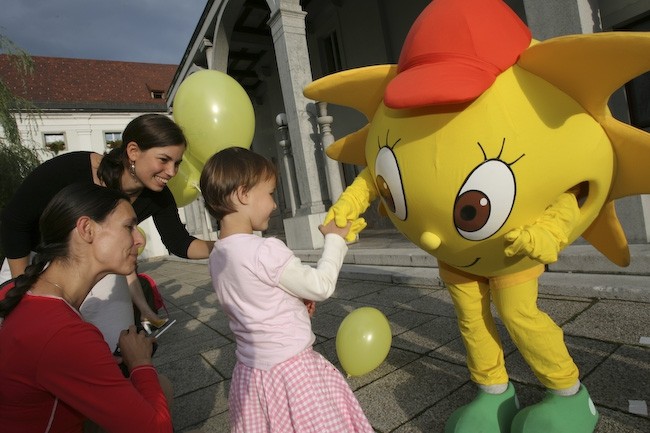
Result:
pixel 331 227
pixel 311 306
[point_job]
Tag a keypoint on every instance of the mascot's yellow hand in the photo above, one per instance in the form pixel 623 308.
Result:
pixel 535 242
pixel 358 224
pixel 545 238
pixel 353 202
pixel 341 212
pixel 356 227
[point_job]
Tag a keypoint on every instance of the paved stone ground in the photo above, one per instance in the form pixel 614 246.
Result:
pixel 424 377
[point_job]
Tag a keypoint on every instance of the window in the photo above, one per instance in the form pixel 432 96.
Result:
pixel 331 53
pixel 54 142
pixel 112 139
pixel 638 89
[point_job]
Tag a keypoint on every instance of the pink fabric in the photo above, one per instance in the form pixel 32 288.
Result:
pixel 269 324
pixel 305 394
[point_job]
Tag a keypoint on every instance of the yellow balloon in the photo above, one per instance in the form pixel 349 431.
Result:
pixel 144 242
pixel 185 185
pixel 214 112
pixel 363 341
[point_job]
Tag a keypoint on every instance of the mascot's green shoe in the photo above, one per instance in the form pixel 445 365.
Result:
pixel 488 413
pixel 558 414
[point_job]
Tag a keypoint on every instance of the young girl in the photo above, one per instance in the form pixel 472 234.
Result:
pixel 279 384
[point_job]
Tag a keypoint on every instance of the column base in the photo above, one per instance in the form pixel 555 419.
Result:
pixel 302 231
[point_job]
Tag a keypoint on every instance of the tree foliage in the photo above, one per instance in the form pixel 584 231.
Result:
pixel 13 107
pixel 16 160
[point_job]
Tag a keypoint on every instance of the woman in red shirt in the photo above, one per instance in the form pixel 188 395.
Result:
pixel 56 370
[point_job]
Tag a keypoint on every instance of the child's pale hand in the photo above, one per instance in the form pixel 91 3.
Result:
pixel 332 228
pixel 311 306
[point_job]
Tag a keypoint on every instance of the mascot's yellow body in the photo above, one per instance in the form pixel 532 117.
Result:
pixel 494 186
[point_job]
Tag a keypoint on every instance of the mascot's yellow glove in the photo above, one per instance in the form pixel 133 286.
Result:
pixel 353 202
pixel 543 240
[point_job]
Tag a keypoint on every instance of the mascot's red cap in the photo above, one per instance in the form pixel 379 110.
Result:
pixel 454 52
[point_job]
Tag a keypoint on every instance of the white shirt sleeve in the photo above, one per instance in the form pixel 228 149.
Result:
pixel 315 284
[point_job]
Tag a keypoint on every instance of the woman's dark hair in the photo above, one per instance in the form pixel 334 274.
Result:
pixel 148 131
pixel 56 223
pixel 228 170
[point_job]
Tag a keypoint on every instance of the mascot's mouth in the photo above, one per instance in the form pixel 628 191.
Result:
pixel 476 260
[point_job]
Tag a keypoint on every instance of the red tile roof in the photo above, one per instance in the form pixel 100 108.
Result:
pixel 89 85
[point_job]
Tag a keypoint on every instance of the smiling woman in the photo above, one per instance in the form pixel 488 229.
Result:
pixel 152 150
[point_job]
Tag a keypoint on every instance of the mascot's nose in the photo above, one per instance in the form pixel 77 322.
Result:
pixel 429 241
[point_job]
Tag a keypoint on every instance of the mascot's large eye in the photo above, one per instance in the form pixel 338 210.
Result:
pixel 485 200
pixel 389 182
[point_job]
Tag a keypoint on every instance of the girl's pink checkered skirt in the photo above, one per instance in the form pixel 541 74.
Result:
pixel 304 394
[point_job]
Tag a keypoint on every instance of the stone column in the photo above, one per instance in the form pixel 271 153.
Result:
pixel 548 19
pixel 334 171
pixel 287 25
pixel 287 162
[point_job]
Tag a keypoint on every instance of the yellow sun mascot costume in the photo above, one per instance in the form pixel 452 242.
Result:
pixel 492 152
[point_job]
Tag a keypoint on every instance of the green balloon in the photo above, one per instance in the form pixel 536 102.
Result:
pixel 363 341
pixel 215 112
pixel 185 185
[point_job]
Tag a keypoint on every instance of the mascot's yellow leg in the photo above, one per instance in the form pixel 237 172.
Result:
pixel 488 413
pixel 539 340
pixel 478 330
pixel 541 343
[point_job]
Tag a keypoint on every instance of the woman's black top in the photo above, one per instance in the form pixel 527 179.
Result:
pixel 19 232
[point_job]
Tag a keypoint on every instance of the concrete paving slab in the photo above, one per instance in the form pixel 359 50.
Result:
pixel 433 419
pixel 395 360
pixel 197 409
pixel 397 397
pixel 428 336
pixel 403 321
pixel 435 301
pixel 352 289
pixel 222 359
pixel 393 296
pixel 218 321
pixel 623 376
pixel 611 320
pixel 189 374
pixel 617 422
pixel 424 377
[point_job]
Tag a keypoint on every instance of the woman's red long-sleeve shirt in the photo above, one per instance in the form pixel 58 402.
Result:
pixel 56 370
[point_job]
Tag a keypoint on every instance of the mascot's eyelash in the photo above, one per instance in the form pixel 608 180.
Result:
pixel 503 143
pixel 379 145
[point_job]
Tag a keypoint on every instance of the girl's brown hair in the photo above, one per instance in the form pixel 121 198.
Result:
pixel 227 171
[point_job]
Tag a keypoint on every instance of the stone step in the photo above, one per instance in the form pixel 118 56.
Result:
pixel 583 259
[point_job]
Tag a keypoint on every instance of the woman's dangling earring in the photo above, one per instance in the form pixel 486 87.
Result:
pixel 132 169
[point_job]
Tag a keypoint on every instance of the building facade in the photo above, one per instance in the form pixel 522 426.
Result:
pixel 84 105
